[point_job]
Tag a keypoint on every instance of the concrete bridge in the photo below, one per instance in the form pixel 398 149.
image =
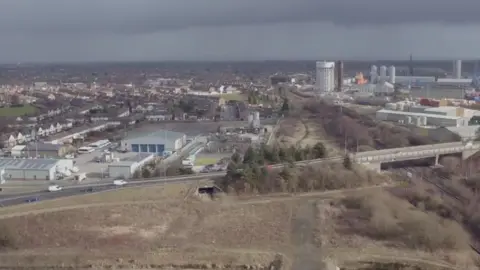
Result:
pixel 374 159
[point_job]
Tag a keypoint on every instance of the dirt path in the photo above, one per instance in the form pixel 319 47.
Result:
pixel 305 254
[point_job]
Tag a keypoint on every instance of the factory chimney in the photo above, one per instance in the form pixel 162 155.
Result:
pixel 457 69
pixel 339 75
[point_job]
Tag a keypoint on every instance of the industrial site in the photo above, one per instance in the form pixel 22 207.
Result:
pixel 310 168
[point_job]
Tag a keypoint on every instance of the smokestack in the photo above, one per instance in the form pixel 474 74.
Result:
pixel 410 66
pixel 339 75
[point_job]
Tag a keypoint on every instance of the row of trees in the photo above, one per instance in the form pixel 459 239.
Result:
pixel 156 168
pixel 248 177
pixel 251 171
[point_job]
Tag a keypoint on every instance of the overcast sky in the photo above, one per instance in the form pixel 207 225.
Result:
pixel 131 30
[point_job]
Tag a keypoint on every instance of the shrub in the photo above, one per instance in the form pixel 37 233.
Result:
pixel 390 218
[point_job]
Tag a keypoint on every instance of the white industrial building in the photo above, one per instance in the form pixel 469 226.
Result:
pixel 378 89
pixel 125 169
pixel 325 76
pixel 35 169
pixel 428 118
pixel 160 143
pixel 414 80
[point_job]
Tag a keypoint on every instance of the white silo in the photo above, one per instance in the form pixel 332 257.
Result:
pixel 250 120
pixel 373 74
pixel 383 72
pixel 325 81
pixel 391 74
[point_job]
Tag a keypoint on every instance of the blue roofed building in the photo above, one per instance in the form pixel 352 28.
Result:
pixel 162 142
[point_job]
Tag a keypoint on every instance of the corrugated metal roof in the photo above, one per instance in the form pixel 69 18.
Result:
pixel 27 164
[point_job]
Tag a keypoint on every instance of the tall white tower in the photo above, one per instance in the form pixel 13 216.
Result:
pixel 391 74
pixel 325 76
pixel 373 74
pixel 457 69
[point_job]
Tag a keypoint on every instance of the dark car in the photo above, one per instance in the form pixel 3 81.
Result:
pixel 34 199
pixel 89 189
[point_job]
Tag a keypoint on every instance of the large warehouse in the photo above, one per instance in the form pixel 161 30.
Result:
pixel 34 169
pixel 160 143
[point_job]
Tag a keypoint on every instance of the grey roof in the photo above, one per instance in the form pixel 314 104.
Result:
pixel 139 157
pixel 40 146
pixel 130 161
pixel 166 137
pixel 27 164
pixel 465 131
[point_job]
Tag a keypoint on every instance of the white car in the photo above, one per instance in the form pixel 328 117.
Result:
pixel 119 182
pixel 53 188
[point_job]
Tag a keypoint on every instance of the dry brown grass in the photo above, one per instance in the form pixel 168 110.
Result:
pixel 170 230
pixel 290 131
pixel 121 196
pixel 380 224
pixel 157 227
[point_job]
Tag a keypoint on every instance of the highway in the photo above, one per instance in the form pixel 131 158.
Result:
pixel 384 155
pixel 9 200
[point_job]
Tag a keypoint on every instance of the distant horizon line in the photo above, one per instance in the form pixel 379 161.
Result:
pixel 228 61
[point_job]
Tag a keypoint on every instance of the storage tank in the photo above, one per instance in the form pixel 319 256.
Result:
pixel 417 121
pixel 423 120
pixel 256 116
pixel 250 120
pixel 391 74
pixel 408 120
pixel 383 72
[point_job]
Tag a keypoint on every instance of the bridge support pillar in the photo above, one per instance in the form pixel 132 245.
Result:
pixel 436 159
pixel 373 166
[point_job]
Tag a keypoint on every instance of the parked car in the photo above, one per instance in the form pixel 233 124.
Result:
pixel 54 188
pixel 119 182
pixel 89 189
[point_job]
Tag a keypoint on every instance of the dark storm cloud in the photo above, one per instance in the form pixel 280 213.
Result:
pixel 150 16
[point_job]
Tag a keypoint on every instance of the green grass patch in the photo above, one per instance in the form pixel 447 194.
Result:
pixel 205 161
pixel 17 111
pixel 233 96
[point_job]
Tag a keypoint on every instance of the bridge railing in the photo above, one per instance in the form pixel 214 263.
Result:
pixel 413 149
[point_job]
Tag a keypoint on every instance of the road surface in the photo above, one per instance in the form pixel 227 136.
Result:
pixel 9 200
